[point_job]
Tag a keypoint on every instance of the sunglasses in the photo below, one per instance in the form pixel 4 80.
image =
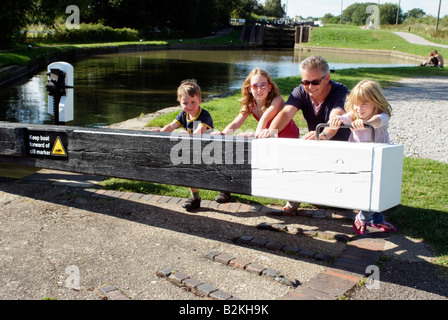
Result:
pixel 261 86
pixel 314 82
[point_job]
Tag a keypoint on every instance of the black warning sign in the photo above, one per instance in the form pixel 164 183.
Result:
pixel 47 144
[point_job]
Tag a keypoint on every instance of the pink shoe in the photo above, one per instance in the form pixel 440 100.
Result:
pixel 291 206
pixel 359 226
pixel 384 226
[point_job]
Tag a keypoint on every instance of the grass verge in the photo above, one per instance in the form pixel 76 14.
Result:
pixel 346 36
pixel 24 56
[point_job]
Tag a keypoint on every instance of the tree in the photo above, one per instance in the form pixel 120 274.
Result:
pixel 274 8
pixel 329 18
pixel 15 15
pixel 241 9
pixel 186 18
pixel 12 18
pixel 356 13
pixel 414 13
pixel 388 13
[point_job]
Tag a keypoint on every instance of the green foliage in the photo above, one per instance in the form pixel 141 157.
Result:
pixel 171 18
pixel 425 27
pixel 415 13
pixel 274 8
pixel 356 13
pixel 12 19
pixel 388 14
pixel 346 36
pixel 329 18
pixel 424 209
pixel 385 76
pixel 93 33
pixel 25 57
pixel 168 18
pixel 243 10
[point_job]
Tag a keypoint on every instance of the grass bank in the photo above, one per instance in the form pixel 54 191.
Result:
pixel 345 36
pixel 26 57
pixel 22 55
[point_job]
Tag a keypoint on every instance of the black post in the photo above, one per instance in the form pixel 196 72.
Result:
pixel 56 88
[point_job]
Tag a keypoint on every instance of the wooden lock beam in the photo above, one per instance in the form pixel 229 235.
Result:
pixel 365 176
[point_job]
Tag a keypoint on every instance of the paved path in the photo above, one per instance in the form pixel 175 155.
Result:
pixel 127 245
pixel 412 38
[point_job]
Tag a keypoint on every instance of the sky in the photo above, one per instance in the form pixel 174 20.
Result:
pixel 318 8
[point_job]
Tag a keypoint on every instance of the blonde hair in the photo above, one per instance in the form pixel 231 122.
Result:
pixel 367 91
pixel 190 87
pixel 247 99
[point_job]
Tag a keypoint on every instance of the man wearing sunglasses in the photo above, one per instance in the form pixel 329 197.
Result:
pixel 319 98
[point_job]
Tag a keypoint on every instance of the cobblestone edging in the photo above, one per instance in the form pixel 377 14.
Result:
pixel 112 293
pixel 211 204
pixel 331 284
pixel 277 246
pixel 342 275
pixel 195 286
pixel 345 273
pixel 242 264
pixel 281 227
pixel 202 289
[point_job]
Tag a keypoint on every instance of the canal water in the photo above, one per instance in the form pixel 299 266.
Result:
pixel 116 87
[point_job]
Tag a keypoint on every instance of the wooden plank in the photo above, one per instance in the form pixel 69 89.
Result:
pixel 12 141
pixel 365 176
pixel 319 188
pixel 387 180
pixel 145 156
pixel 298 154
pixel 331 173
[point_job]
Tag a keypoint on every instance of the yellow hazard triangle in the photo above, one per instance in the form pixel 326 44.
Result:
pixel 58 148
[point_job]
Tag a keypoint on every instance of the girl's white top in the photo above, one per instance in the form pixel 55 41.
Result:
pixel 381 133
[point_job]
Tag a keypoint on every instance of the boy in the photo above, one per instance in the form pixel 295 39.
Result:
pixel 195 120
